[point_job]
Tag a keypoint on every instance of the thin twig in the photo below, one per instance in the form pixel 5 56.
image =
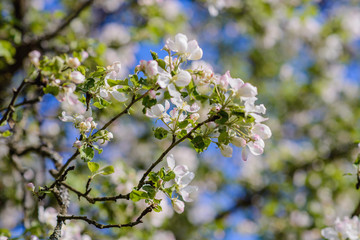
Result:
pixel 35 100
pixel 96 199
pixel 102 226
pixel 64 23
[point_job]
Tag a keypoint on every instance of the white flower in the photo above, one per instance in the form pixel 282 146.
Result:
pixel 226 150
pixel 261 130
pixel 114 72
pixel 3 238
pixel 67 94
pixel 178 205
pixel 149 67
pixel 245 90
pixel 188 49
pixel 238 141
pixel 158 111
pixel 74 62
pixel 77 77
pixel 47 216
pixel 35 57
pixel 253 110
pixel 181 79
pixel 183 177
pixel 256 147
pixel 344 229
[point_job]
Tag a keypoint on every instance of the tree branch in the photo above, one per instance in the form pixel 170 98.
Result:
pixel 96 199
pixel 32 101
pixel 102 226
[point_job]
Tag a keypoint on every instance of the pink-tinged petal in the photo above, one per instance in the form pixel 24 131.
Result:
pixel 192 46
pixel 104 93
pixel 256 148
pixel 262 130
pixel 244 154
pixel 236 83
pixel 167 105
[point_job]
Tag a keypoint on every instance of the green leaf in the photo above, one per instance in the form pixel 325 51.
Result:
pixel 200 143
pixel 7 133
pixel 5 232
pixel 169 176
pixel 97 148
pixel 157 208
pixel 7 51
pixel 58 64
pixel 136 195
pixel 160 133
pixel 54 90
pixel 93 166
pixel 357 161
pixel 148 102
pixel 150 190
pixel 112 82
pixel 224 117
pixel 154 55
pixel 107 170
pixel 183 124
pixel 86 153
pixel 161 63
pixel 153 177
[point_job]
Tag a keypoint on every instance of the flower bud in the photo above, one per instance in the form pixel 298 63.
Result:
pixel 178 205
pixel 194 116
pixel 152 94
pixel 77 77
pixel 93 124
pixel 74 62
pixel 238 141
pixel 30 187
pixel 34 57
pixel 226 150
pixel 77 144
pixel 84 55
pixel 84 126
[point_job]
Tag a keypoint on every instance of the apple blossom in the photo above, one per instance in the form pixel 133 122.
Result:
pixel 74 62
pixel 345 228
pixel 158 111
pixel 189 49
pixel 77 77
pixel 150 68
pixel 178 205
pixel 35 57
pixel 226 150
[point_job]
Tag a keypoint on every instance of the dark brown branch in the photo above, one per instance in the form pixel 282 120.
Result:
pixel 172 145
pixel 64 23
pixel 32 101
pixel 102 226
pixel 96 199
pixel 10 107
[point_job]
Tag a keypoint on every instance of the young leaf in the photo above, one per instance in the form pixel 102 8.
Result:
pixel 86 153
pixel 107 170
pixel 136 195
pixel 93 166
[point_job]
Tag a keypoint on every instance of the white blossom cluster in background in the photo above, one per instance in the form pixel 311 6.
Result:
pixel 344 229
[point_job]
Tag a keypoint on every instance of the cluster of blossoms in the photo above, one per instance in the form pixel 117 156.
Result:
pixel 227 96
pixel 183 177
pixel 344 229
pixel 192 103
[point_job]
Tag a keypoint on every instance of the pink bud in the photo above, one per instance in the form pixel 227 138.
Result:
pixel 30 186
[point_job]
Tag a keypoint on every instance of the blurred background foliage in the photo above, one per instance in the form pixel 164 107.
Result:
pixel 302 55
